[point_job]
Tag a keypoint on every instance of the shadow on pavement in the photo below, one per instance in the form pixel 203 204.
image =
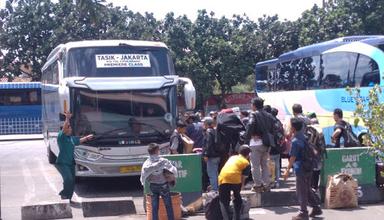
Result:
pixel 94 187
pixel 282 210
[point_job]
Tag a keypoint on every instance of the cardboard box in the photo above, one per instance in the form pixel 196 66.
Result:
pixel 187 143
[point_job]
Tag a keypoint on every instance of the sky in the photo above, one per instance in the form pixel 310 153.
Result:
pixel 286 9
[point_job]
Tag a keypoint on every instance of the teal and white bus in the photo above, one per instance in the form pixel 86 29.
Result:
pixel 124 92
pixel 316 76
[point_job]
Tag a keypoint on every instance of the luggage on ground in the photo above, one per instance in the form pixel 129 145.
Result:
pixel 341 192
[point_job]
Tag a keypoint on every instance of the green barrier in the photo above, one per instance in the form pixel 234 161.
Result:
pixel 189 176
pixel 355 161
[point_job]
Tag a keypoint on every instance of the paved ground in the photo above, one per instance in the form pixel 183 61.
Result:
pixel 27 178
pixel 365 212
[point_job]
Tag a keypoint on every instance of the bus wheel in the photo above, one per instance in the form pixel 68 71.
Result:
pixel 51 156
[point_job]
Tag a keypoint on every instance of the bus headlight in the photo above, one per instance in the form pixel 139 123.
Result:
pixel 88 155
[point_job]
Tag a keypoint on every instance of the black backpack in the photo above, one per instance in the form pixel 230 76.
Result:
pixel 228 130
pixel 350 139
pixel 309 161
pixel 212 209
pixel 316 142
pixel 264 123
pixel 279 136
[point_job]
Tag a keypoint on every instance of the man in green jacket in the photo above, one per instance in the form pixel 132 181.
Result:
pixel 65 161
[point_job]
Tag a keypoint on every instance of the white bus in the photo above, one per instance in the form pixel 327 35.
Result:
pixel 124 92
pixel 316 76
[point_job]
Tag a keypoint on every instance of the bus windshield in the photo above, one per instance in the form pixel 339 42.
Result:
pixel 125 114
pixel 119 61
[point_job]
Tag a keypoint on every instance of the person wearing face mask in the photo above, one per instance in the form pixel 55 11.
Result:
pixel 65 162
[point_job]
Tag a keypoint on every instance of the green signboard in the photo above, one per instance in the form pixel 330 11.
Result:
pixel 189 175
pixel 355 161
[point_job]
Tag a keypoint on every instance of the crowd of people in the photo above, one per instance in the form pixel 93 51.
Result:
pixel 229 159
pixel 267 139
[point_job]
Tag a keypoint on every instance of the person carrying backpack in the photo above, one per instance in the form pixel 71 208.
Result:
pixel 276 151
pixel 299 161
pixel 343 130
pixel 210 154
pixel 259 135
pixel 176 143
pixel 315 139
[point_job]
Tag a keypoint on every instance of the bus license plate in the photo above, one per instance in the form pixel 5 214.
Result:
pixel 130 169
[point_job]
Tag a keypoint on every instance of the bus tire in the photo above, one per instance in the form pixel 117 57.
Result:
pixel 51 156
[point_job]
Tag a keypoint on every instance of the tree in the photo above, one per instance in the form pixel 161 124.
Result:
pixel 25 35
pixel 332 21
pixel 369 12
pixel 222 50
pixel 371 112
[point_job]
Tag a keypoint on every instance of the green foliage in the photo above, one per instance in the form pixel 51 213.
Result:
pixel 372 115
pixel 218 54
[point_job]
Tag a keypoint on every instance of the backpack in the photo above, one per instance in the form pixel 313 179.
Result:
pixel 314 149
pixel 308 162
pixel 265 124
pixel 279 137
pixel 228 131
pixel 212 209
pixel 350 139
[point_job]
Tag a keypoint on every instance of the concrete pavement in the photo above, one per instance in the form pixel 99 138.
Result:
pixel 28 179
pixel 364 212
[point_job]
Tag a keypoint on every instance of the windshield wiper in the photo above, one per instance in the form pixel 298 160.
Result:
pixel 97 137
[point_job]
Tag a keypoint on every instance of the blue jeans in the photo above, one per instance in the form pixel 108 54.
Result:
pixel 276 158
pixel 163 191
pixel 212 170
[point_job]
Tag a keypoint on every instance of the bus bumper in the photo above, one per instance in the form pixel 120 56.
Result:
pixel 108 168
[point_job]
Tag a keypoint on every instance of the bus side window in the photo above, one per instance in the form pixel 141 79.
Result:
pixel 285 76
pixel 366 72
pixel 337 70
pixel 55 72
pixel 262 79
pixel 307 72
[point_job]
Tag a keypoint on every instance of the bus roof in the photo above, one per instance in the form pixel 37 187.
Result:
pixel 267 62
pixel 20 85
pixel 317 49
pixel 105 43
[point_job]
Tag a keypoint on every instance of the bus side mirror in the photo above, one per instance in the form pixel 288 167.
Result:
pixel 189 94
pixel 62 117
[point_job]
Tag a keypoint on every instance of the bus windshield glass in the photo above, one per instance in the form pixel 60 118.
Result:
pixel 119 61
pixel 126 114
